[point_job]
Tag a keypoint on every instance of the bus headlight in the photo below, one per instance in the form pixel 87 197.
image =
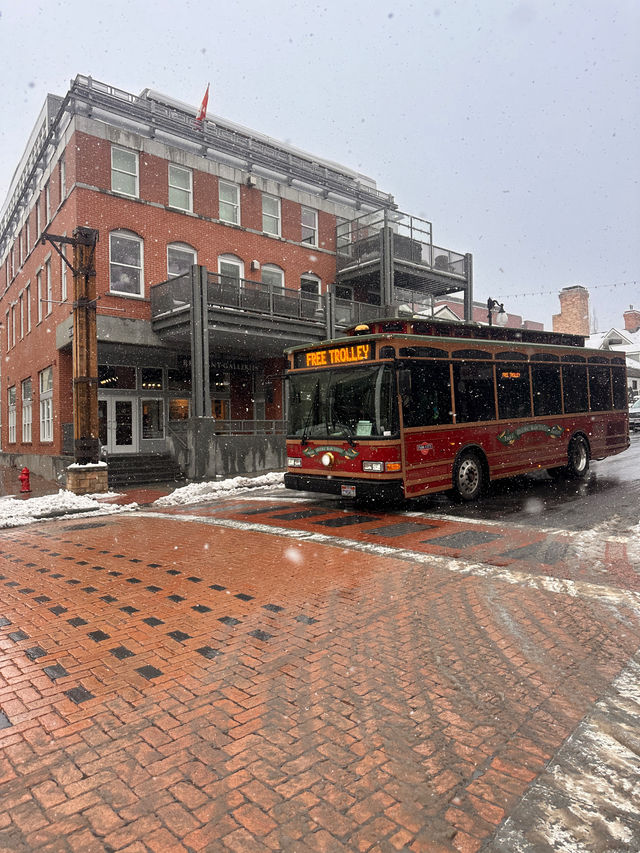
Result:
pixel 327 459
pixel 294 461
pixel 373 466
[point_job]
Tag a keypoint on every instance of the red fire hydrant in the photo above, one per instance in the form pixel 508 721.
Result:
pixel 23 476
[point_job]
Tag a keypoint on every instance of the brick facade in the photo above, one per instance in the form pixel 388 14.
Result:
pixel 75 187
pixel 632 319
pixel 574 311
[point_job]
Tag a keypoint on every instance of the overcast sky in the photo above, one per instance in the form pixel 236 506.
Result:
pixel 514 127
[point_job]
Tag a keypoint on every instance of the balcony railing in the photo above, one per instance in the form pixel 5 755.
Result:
pixel 360 242
pixel 237 427
pixel 172 298
pixel 226 292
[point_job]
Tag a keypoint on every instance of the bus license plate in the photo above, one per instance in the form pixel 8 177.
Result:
pixel 348 491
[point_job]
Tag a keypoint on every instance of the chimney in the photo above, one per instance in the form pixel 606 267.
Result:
pixel 574 311
pixel 631 319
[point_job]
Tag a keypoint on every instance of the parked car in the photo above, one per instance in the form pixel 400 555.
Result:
pixel 634 416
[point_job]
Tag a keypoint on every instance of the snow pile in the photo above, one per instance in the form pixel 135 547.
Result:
pixel 195 492
pixel 14 513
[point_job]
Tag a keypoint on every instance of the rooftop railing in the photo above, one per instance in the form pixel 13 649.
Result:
pixel 361 242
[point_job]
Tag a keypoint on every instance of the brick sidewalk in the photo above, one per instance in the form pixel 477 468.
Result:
pixel 173 684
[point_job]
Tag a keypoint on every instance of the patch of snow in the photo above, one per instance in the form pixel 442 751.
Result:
pixel 195 492
pixel 15 513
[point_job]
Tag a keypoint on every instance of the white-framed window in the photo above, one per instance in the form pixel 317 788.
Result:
pixel 21 247
pixel 11 411
pixel 64 289
pixel 27 298
pixel 180 187
pixel 13 325
pixel 27 411
pixel 47 203
pixel 45 378
pixel 49 301
pixel 229 207
pixel 231 269
pixel 27 233
pixel 180 259
pixel 310 226
pixel 39 294
pixel 125 263
pixel 124 171
pixel 13 261
pixel 310 286
pixel 8 330
pixel 63 179
pixel 21 303
pixel 38 220
pixel 273 275
pixel 152 418
pixel 271 215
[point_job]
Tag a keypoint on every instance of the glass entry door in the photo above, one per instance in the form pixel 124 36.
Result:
pixel 118 421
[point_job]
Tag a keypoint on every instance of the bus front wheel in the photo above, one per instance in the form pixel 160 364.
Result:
pixel 468 477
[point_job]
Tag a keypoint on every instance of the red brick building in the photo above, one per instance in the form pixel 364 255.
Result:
pixel 218 247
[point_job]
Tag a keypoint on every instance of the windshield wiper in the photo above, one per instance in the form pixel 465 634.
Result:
pixel 347 431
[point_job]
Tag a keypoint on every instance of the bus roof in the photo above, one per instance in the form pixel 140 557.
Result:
pixel 476 331
pixel 426 327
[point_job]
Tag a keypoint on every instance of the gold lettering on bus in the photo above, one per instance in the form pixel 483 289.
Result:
pixel 338 355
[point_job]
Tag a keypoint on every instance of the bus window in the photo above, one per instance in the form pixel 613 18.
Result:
pixel 429 402
pixel 514 400
pixel 619 378
pixel 574 387
pixel 474 392
pixel 600 388
pixel 547 399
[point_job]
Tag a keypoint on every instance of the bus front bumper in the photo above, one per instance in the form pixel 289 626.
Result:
pixel 379 490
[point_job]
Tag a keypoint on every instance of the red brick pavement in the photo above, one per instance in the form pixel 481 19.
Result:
pixel 171 685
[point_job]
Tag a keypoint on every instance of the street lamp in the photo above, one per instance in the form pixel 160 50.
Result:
pixel 502 317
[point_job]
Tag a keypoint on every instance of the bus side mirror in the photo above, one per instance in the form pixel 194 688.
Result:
pixel 404 381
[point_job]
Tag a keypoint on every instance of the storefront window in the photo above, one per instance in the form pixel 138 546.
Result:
pixel 116 377
pixel 179 409
pixel 151 378
pixel 152 419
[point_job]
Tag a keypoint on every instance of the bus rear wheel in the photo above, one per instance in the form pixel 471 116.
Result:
pixel 577 467
pixel 578 458
pixel 468 477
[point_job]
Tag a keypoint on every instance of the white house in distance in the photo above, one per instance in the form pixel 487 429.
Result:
pixel 625 340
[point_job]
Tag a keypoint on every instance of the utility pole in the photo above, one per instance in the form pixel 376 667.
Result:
pixel 86 436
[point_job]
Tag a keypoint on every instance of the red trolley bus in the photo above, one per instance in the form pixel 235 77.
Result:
pixel 402 408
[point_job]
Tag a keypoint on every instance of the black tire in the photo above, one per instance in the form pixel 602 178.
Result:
pixel 578 459
pixel 468 477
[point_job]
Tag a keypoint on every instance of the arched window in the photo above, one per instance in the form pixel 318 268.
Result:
pixel 126 273
pixel 180 259
pixel 231 269
pixel 273 275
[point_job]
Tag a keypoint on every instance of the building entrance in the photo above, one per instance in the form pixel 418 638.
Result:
pixel 118 422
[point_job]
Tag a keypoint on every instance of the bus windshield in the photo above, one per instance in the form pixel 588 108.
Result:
pixel 348 402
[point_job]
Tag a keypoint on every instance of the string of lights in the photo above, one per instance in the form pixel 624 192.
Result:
pixel 589 287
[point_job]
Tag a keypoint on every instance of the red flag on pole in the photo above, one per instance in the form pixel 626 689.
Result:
pixel 202 112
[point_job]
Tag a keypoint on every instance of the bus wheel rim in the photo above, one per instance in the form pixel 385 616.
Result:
pixel 468 476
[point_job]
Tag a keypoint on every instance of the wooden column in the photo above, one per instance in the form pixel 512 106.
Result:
pixel 86 435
